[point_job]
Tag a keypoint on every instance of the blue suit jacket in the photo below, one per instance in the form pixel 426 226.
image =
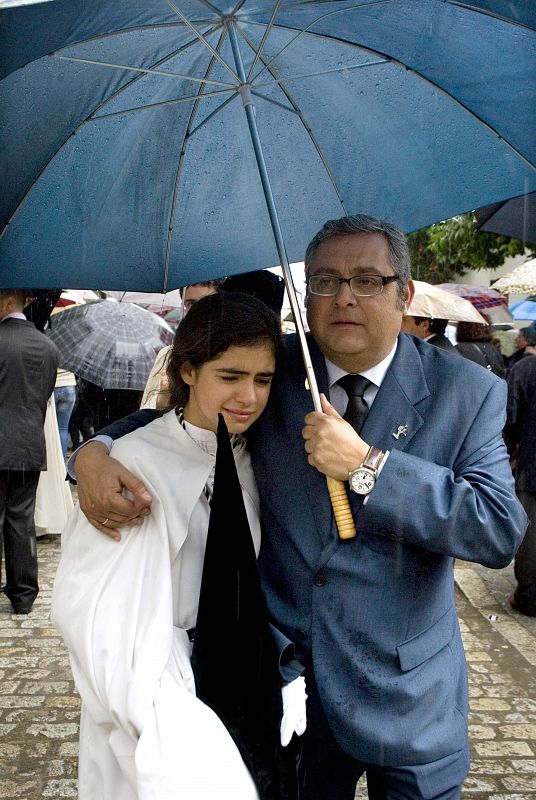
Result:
pixel 380 622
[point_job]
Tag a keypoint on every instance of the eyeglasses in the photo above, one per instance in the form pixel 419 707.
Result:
pixel 361 285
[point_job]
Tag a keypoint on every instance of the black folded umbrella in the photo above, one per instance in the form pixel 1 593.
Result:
pixel 234 657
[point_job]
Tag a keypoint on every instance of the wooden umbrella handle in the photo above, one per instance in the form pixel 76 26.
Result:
pixel 341 508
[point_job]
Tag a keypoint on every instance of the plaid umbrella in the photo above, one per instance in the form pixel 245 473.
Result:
pixel 480 297
pixel 110 344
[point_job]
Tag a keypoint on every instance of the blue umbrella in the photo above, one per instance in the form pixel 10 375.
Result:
pixel 127 161
pixel 525 309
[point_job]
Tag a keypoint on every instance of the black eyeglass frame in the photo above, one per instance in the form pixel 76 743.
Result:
pixel 384 279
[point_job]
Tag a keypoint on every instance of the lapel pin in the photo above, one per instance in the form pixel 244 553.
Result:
pixel 400 431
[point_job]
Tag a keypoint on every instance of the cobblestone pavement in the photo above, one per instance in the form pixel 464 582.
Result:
pixel 39 707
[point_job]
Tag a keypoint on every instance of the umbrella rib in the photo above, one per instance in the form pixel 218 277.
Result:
pixel 391 60
pixel 211 7
pixel 193 112
pixel 335 70
pixel 202 39
pixel 274 102
pixel 265 36
pixel 150 106
pixel 212 114
pixel 304 122
pixel 143 70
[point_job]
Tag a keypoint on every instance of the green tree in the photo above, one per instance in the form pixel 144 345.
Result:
pixel 448 250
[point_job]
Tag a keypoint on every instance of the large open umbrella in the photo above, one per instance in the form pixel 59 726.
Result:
pixel 127 161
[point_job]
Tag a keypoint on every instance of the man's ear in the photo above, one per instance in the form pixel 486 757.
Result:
pixel 409 291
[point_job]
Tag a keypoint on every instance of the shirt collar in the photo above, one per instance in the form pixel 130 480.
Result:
pixel 375 374
pixel 13 315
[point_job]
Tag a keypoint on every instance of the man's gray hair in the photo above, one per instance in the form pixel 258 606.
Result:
pixel 361 223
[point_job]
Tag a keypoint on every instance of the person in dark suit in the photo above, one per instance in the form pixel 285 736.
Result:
pixel 520 438
pixel 430 330
pixel 28 363
pixel 370 621
pixel 526 337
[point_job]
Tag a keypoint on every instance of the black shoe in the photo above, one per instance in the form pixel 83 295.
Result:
pixel 527 612
pixel 21 609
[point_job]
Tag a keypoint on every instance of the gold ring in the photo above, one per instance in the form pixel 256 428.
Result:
pixel 106 520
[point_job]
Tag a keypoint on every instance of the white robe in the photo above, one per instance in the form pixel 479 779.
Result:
pixel 144 735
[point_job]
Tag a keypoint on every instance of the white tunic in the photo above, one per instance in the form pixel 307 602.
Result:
pixel 122 609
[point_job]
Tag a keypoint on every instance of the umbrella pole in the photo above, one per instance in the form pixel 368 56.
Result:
pixel 337 490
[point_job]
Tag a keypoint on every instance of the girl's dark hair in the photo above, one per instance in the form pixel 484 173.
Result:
pixel 214 324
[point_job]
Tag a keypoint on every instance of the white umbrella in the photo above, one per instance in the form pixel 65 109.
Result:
pixel 522 280
pixel 434 303
pixel 169 299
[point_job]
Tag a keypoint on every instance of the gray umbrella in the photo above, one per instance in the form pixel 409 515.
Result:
pixel 110 344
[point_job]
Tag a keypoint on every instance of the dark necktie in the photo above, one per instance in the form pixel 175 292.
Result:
pixel 355 387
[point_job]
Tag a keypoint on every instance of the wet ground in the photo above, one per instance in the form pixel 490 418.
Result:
pixel 39 707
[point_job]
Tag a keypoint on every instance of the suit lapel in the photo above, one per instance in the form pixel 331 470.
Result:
pixel 393 419
pixel 403 387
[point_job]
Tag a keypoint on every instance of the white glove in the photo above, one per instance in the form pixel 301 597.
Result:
pixel 294 718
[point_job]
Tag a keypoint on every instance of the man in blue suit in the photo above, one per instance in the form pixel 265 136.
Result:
pixel 370 621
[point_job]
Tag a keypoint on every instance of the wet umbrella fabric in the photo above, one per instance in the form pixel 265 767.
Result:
pixel 234 658
pixel 515 217
pixel 110 344
pixel 136 168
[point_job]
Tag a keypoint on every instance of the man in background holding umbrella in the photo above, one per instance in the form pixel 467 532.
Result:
pixel 370 621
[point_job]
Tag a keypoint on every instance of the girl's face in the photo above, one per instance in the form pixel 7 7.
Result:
pixel 235 384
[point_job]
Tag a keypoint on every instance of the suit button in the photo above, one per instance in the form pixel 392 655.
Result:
pixel 319 579
pixel 301 635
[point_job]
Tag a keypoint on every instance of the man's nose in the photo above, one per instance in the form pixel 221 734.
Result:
pixel 345 296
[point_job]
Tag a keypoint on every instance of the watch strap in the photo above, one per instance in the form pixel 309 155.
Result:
pixel 373 459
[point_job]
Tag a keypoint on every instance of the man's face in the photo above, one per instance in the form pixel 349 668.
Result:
pixel 409 325
pixel 355 333
pixel 195 293
pixel 520 341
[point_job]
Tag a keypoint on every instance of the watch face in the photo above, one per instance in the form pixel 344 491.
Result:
pixel 362 481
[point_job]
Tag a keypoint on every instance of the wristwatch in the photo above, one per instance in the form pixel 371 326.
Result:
pixel 363 478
